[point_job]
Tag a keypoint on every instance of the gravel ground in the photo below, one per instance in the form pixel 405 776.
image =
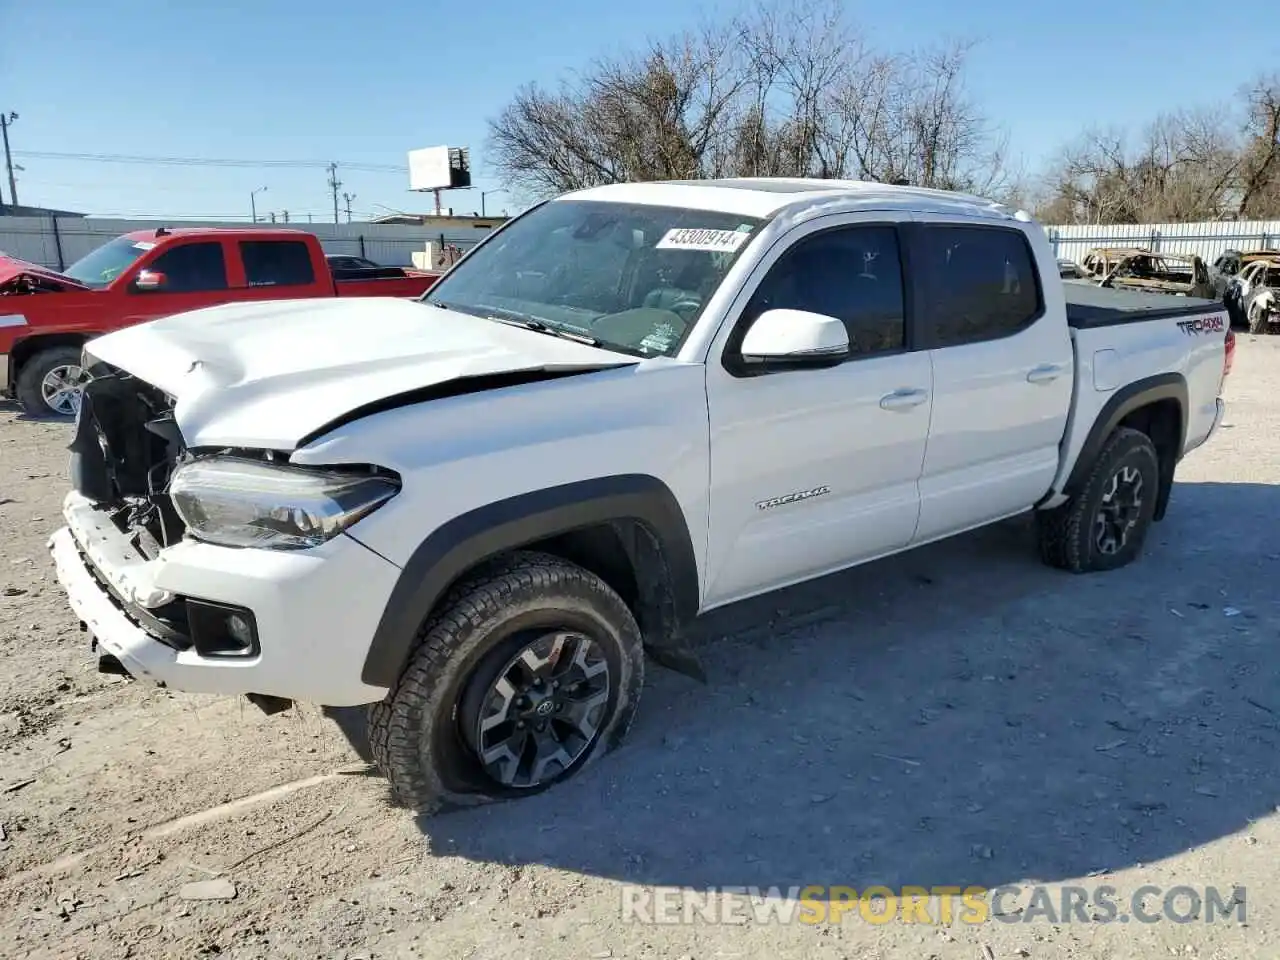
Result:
pixel 956 715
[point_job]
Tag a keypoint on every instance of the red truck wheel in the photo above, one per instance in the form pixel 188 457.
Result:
pixel 49 382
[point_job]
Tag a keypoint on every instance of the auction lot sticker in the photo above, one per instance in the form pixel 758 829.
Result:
pixel 696 238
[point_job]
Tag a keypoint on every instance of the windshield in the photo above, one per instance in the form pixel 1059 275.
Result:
pixel 632 277
pixel 107 262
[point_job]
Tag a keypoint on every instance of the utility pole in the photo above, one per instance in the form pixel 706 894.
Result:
pixel 5 123
pixel 334 184
pixel 348 197
pixel 285 215
pixel 486 193
pixel 253 205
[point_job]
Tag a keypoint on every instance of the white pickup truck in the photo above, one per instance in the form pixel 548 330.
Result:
pixel 628 406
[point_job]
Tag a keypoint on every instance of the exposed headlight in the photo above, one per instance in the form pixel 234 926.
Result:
pixel 246 503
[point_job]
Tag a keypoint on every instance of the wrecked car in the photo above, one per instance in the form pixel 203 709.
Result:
pixel 1251 297
pixel 482 513
pixel 1230 262
pixel 1100 261
pixel 1182 274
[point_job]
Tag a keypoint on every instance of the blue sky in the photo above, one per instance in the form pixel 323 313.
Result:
pixel 321 80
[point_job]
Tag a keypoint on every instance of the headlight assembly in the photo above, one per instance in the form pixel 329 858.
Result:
pixel 246 503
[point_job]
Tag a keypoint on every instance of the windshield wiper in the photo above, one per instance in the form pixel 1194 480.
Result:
pixel 513 319
pixel 529 323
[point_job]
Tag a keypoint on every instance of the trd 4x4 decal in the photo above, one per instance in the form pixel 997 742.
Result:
pixel 1201 325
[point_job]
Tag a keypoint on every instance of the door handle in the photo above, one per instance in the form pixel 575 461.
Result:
pixel 903 399
pixel 1045 373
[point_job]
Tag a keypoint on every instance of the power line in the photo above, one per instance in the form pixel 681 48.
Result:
pixel 201 161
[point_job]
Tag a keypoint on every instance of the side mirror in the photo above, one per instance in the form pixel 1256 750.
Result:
pixel 794 338
pixel 150 280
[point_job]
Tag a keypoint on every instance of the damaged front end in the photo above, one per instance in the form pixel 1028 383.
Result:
pixel 125 449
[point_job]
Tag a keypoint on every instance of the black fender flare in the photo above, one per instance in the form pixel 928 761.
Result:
pixel 1127 399
pixel 460 544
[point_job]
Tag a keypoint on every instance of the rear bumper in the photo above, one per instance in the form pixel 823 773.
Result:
pixel 315 610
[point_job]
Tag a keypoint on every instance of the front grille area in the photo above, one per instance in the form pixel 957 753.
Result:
pixel 124 451
pixel 167 623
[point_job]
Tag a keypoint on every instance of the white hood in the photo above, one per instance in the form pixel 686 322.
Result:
pixel 268 374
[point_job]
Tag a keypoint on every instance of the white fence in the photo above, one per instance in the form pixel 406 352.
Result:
pixel 1207 239
pixel 61 241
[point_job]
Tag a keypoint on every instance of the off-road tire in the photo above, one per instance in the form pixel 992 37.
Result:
pixel 414 732
pixel 32 374
pixel 1066 533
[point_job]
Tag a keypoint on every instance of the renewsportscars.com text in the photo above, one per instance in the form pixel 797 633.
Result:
pixel 938 905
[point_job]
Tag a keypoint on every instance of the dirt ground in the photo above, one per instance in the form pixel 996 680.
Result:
pixel 956 715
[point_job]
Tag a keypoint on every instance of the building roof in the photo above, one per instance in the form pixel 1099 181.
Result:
pixel 766 196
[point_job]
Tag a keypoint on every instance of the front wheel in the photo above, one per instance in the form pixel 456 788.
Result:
pixel 527 674
pixel 50 382
pixel 1104 526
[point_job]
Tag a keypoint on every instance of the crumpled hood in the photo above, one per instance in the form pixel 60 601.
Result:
pixel 269 374
pixel 11 267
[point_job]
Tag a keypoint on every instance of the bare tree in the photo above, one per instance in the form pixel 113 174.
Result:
pixel 1183 167
pixel 790 90
pixel 1260 159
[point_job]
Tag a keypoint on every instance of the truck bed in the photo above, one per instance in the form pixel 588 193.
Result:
pixel 1089 305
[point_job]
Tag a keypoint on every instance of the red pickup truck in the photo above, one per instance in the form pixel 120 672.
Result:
pixel 46 316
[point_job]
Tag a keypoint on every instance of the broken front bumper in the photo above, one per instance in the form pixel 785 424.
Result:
pixel 315 611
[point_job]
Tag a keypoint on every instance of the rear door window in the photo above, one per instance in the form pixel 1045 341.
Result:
pixel 277 263
pixel 982 283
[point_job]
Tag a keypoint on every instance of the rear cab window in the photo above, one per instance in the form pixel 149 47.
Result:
pixel 982 283
pixel 277 263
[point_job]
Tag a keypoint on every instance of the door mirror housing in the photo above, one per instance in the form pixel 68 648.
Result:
pixel 150 280
pixel 781 339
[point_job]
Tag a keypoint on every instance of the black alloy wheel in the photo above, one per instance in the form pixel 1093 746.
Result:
pixel 1118 511
pixel 531 715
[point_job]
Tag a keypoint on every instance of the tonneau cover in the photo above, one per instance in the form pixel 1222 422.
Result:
pixel 1089 305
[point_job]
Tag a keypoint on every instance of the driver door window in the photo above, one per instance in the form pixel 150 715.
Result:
pixel 853 274
pixel 192 268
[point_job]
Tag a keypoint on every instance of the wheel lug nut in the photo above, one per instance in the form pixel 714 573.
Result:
pixel 520 725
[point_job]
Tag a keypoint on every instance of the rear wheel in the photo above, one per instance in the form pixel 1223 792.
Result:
pixel 50 382
pixel 528 673
pixel 1104 526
